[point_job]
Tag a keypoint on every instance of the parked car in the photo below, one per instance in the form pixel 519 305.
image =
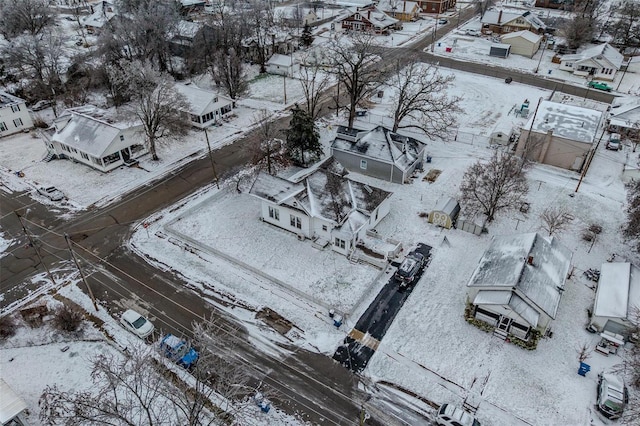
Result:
pixel 51 192
pixel 136 323
pixel 40 105
pixel 612 396
pixel 600 86
pixel 178 351
pixel 409 268
pixel 450 415
pixel 474 33
pixel 614 142
pixel 443 21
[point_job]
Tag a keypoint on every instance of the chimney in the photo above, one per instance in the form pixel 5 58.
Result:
pixel 369 14
pixel 530 260
pixel 499 17
pixel 404 6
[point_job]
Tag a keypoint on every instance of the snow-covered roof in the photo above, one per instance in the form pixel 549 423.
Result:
pixel 618 291
pixel 448 206
pixel 525 34
pixel 10 403
pixel 103 12
pixel 398 6
pixel 91 130
pixel 626 113
pixel 504 265
pixel 501 17
pixel 378 18
pixel 188 29
pixel 7 99
pixel 325 193
pixel 280 60
pixel 351 3
pixel 201 99
pixel 596 54
pixel 380 144
pixel 567 121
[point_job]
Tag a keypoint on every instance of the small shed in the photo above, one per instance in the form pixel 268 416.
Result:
pixel 502 135
pixel 523 43
pixel 445 214
pixel 500 50
pixel 282 65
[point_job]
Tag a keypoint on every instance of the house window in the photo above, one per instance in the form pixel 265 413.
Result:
pixel 274 213
pixel 339 243
pixel 111 158
pixel 363 164
pixel 121 138
pixel 324 228
pixel 295 221
pixel 15 108
pixel 3 127
pixel 357 17
pixel 17 122
pixel 85 156
pixel 136 148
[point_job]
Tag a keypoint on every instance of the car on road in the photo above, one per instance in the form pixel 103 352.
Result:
pixel 40 105
pixel 178 351
pixel 612 396
pixel 51 192
pixel 614 142
pixel 443 21
pixel 600 86
pixel 472 32
pixel 409 268
pixel 450 415
pixel 136 323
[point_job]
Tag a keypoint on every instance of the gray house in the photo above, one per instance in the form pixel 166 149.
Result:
pixel 518 284
pixel 378 152
pixel 323 205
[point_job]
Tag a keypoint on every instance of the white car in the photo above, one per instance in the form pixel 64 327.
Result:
pixel 51 193
pixel 40 105
pixel 474 33
pixel 450 415
pixel 136 323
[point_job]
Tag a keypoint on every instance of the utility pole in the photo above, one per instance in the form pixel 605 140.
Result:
pixel 84 279
pixel 285 86
pixel 588 161
pixel 33 244
pixel 213 165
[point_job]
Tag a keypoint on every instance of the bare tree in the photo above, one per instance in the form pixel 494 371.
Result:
pixel 493 186
pixel 314 82
pixel 481 6
pixel 352 60
pixel 584 24
pixel 154 101
pixel 631 230
pixel 421 95
pixel 629 368
pixel 260 18
pixel 228 70
pixel 269 152
pixel 25 16
pixel 555 219
pixel 626 30
pixel 584 352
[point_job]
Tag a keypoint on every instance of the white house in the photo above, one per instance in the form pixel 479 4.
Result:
pixel 282 65
pixel 624 115
pixel 102 12
pixel 518 284
pixel 323 205
pixel 602 62
pixel 14 115
pixel 207 107
pixel 617 303
pixel 89 136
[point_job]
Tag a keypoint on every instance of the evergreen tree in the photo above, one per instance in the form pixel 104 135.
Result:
pixel 303 139
pixel 631 230
pixel 306 38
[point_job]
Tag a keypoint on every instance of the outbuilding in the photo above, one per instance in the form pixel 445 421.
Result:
pixel 12 407
pixel 617 299
pixel 282 65
pixel 524 43
pixel 445 214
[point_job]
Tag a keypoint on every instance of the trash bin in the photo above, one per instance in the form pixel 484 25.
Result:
pixel 428 158
pixel 584 369
pixel 337 320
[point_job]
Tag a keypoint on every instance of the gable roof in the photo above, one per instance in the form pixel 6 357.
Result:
pixel 379 143
pixel 324 193
pixel 502 17
pixel 597 54
pixel 200 99
pixel 626 114
pixel 280 60
pixel 90 130
pixel 525 34
pixel 7 99
pixel 567 121
pixel 375 16
pixel 504 266
pixel 103 12
pixel 618 290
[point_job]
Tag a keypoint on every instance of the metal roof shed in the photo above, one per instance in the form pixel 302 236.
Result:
pixel 11 405
pixel 445 214
pixel 500 50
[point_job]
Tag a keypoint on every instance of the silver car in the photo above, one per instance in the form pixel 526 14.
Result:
pixel 51 193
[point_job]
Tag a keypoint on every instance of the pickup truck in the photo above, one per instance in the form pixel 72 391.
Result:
pixel 409 268
pixel 600 86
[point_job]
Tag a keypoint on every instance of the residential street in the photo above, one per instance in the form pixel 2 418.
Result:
pixel 305 382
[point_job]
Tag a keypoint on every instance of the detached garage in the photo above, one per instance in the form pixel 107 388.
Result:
pixel 523 43
pixel 445 214
pixel 499 50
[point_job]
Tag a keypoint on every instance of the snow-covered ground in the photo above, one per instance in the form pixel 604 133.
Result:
pixel 429 349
